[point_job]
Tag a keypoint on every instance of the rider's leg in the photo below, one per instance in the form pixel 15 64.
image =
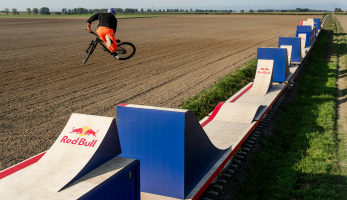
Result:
pixel 107 35
pixel 112 38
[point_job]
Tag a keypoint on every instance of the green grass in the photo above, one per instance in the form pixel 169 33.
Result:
pixel 301 159
pixel 204 103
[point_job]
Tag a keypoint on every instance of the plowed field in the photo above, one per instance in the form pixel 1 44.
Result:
pixel 343 20
pixel 43 80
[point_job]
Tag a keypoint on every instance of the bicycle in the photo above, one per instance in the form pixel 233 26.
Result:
pixel 125 49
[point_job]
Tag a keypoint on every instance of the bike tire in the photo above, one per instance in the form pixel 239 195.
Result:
pixel 89 51
pixel 125 50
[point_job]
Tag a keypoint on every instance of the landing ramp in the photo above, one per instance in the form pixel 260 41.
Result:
pixel 85 143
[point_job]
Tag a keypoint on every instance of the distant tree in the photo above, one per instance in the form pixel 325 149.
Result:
pixel 69 11
pixel 141 9
pixel 251 11
pixel 14 11
pixel 90 11
pixel 7 10
pixel 57 13
pixel 29 11
pixel 338 10
pixel 80 10
pixel 242 11
pixel 119 10
pixel 259 11
pixel 128 10
pixel 44 11
pixel 35 11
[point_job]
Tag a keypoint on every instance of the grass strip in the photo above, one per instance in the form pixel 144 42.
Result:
pixel 299 160
pixel 204 103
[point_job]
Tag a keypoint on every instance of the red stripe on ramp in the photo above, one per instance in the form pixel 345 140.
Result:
pixel 242 93
pixel 21 165
pixel 122 104
pixel 214 113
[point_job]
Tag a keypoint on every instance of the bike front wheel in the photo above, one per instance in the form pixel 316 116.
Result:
pixel 125 50
pixel 89 51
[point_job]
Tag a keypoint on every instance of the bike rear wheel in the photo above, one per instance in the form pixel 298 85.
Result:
pixel 89 51
pixel 125 50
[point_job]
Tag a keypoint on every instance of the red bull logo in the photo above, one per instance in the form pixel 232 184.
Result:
pixel 264 71
pixel 84 131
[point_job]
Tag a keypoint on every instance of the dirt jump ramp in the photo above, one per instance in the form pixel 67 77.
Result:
pixel 83 159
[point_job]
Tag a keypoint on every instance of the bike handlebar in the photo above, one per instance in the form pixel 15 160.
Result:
pixel 93 33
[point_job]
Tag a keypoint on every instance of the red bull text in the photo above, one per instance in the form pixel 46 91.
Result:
pixel 79 141
pixel 264 71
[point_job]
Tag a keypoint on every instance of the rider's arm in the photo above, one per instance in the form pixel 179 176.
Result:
pixel 88 27
pixel 91 19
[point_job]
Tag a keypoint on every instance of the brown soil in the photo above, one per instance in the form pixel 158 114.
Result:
pixel 43 80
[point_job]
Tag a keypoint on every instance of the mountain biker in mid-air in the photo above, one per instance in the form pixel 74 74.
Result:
pixel 106 29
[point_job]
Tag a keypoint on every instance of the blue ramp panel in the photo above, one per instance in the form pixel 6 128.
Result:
pixel 295 43
pixel 122 186
pixel 307 31
pixel 279 55
pixel 173 149
pixel 317 21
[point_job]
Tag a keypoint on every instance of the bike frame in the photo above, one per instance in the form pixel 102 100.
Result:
pixel 98 40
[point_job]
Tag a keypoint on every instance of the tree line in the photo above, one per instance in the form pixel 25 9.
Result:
pixel 42 11
pixel 80 10
pixel 93 11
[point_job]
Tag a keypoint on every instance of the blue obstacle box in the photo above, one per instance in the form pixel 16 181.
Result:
pixel 306 30
pixel 317 24
pixel 174 151
pixel 279 55
pixel 295 43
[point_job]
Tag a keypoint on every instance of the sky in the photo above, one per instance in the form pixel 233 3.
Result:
pixel 21 5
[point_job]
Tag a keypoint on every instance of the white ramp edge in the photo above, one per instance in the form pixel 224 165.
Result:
pixel 302 44
pixel 289 57
pixel 238 112
pixel 231 121
pixel 263 78
pixel 85 143
pixel 308 23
